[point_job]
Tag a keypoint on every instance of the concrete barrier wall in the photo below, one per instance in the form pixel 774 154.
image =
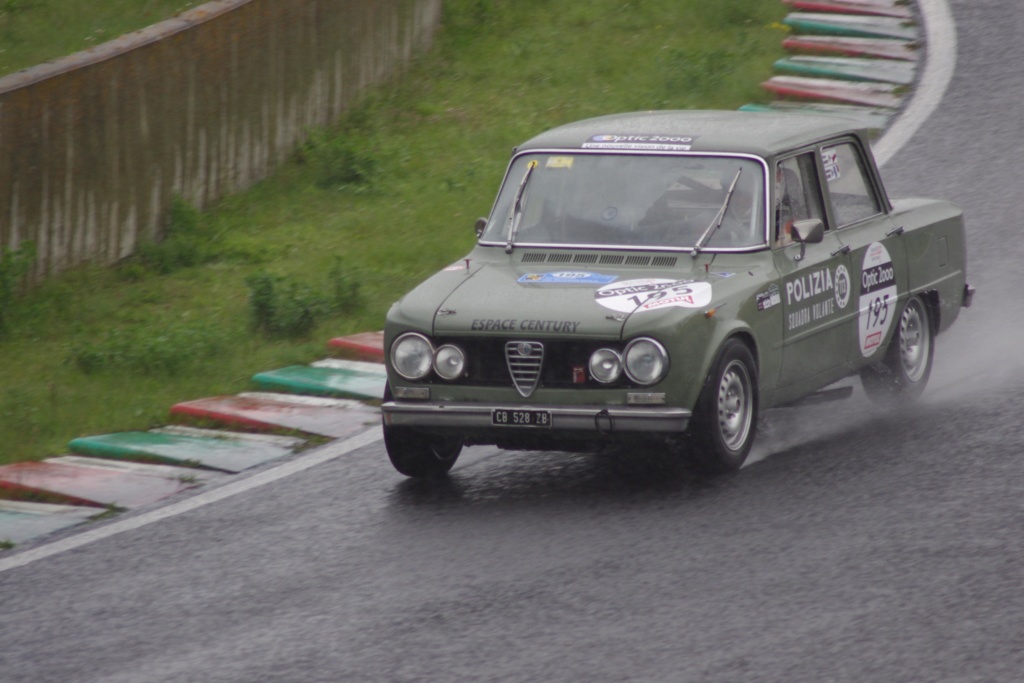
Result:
pixel 93 147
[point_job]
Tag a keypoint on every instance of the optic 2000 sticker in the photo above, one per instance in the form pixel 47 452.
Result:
pixel 878 295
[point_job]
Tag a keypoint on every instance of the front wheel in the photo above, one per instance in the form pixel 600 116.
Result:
pixel 725 419
pixel 420 455
pixel 903 373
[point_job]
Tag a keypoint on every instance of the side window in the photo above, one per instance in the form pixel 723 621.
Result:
pixel 849 191
pixel 797 195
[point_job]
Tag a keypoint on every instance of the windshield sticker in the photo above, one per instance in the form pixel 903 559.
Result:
pixel 512 324
pixel 656 142
pixel 559 162
pixel 567 277
pixel 769 298
pixel 651 294
pixel 820 291
pixel 830 158
pixel 877 298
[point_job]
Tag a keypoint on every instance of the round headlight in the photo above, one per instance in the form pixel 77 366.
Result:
pixel 411 355
pixel 646 361
pixel 450 362
pixel 605 365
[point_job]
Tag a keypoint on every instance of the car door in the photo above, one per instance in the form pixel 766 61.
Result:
pixel 815 281
pixel 859 210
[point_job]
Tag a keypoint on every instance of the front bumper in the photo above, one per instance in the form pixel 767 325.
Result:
pixel 580 420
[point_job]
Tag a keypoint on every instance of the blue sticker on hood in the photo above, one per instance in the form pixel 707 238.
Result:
pixel 567 277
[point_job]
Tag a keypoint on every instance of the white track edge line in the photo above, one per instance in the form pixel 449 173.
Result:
pixel 940 62
pixel 315 457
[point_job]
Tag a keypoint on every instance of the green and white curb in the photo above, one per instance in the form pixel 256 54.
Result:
pixel 868 117
pixel 350 379
pixel 849 68
pixel 215 449
pixel 22 521
pixel 858 26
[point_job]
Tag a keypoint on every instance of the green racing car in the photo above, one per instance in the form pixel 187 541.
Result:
pixel 661 278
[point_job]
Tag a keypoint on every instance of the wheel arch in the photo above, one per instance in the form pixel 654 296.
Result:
pixel 738 331
pixel 747 337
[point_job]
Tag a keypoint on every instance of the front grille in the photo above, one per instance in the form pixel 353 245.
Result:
pixel 525 360
pixel 563 364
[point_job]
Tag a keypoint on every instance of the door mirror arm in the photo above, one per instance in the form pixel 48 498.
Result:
pixel 809 231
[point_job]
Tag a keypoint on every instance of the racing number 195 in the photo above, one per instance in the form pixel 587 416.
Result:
pixel 878 312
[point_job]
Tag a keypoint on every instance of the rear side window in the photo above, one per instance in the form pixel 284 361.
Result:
pixel 849 189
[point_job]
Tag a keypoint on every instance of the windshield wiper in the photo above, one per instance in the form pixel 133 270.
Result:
pixel 515 216
pixel 717 222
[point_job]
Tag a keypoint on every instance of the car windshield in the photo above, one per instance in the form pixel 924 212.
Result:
pixel 631 201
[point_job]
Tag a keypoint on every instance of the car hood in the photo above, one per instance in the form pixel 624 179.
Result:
pixel 593 302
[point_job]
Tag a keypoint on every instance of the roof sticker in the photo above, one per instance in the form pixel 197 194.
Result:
pixel 669 143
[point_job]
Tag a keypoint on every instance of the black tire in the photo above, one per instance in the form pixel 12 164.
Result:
pixel 419 455
pixel 903 373
pixel 725 419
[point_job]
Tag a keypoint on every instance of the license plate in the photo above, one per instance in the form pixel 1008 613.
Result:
pixel 520 418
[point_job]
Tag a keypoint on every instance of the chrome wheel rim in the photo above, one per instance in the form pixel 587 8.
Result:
pixel 735 409
pixel 915 341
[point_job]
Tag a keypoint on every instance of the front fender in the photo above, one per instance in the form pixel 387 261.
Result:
pixel 693 343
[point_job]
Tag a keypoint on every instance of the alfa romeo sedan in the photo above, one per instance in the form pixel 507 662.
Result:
pixel 659 278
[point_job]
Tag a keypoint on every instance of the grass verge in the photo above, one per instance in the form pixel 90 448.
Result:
pixel 364 212
pixel 37 31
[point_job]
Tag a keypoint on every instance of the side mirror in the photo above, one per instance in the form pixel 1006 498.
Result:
pixel 809 231
pixel 481 225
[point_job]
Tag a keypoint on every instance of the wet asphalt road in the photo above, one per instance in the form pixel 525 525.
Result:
pixel 859 545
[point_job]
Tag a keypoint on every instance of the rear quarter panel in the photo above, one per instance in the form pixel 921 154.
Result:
pixel 936 252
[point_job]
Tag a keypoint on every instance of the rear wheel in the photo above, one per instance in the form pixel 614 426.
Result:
pixel 725 419
pixel 903 373
pixel 419 455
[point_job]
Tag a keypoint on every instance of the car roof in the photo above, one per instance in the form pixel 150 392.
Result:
pixel 761 133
